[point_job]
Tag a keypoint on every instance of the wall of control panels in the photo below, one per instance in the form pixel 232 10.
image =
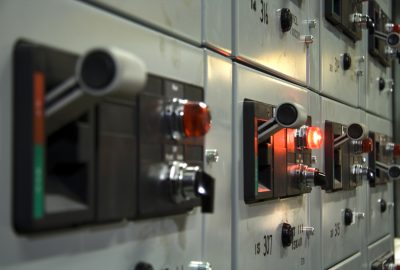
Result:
pixel 187 134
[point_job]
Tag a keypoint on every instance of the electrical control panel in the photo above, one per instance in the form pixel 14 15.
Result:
pixel 161 242
pixel 273 35
pixel 380 254
pixel 344 162
pixel 379 192
pixel 380 83
pixel 277 148
pixel 276 231
pixel 108 168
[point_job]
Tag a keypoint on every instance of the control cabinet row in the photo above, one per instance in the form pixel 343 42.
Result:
pixel 112 143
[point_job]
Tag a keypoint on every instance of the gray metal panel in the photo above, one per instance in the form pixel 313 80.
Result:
pixel 379 248
pixel 347 241
pixel 217 230
pixel 265 45
pixel 380 125
pixel 217 25
pixel 179 17
pixel 265 218
pixel 335 82
pixel 378 102
pixel 166 242
pixel 354 262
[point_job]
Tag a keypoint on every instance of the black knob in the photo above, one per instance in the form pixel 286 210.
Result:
pixel 205 188
pixel 319 178
pixel 348 217
pixel 287 235
pixel 346 61
pixel 286 20
pixel 143 266
pixel 381 83
pixel 383 205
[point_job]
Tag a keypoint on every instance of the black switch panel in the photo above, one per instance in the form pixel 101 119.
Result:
pixel 337 159
pixel 376 46
pixel 338 12
pixel 278 166
pixel 257 158
pixel 381 154
pixel 108 163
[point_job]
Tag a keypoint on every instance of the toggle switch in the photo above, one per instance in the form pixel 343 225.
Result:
pixel 308 230
pixel 286 19
pixel 100 72
pixel 187 119
pixel 190 182
pixel 287 115
pixel 287 235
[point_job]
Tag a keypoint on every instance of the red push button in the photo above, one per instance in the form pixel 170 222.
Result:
pixel 367 145
pixel 396 150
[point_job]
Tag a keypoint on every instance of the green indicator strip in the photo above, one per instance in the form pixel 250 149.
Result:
pixel 38 182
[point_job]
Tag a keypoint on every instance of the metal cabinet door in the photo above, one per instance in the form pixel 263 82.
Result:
pixel 340 241
pixel 257 234
pixel 379 222
pixel 180 18
pixel 259 39
pixel 336 82
pixel 164 242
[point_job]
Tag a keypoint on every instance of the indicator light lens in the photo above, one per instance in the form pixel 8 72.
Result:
pixel 367 145
pixel 314 137
pixel 396 150
pixel 396 28
pixel 196 119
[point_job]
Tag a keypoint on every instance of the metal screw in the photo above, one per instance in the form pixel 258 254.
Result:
pixel 212 155
pixel 311 23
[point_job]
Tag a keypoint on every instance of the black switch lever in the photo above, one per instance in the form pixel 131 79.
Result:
pixel 205 189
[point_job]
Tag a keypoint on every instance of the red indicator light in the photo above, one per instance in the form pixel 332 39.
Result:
pixel 396 150
pixel 314 137
pixel 396 28
pixel 367 145
pixel 196 119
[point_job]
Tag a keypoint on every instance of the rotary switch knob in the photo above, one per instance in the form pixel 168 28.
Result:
pixel 348 217
pixel 190 182
pixel 187 118
pixel 287 235
pixel 346 61
pixel 286 20
pixel 381 83
pixel 382 205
